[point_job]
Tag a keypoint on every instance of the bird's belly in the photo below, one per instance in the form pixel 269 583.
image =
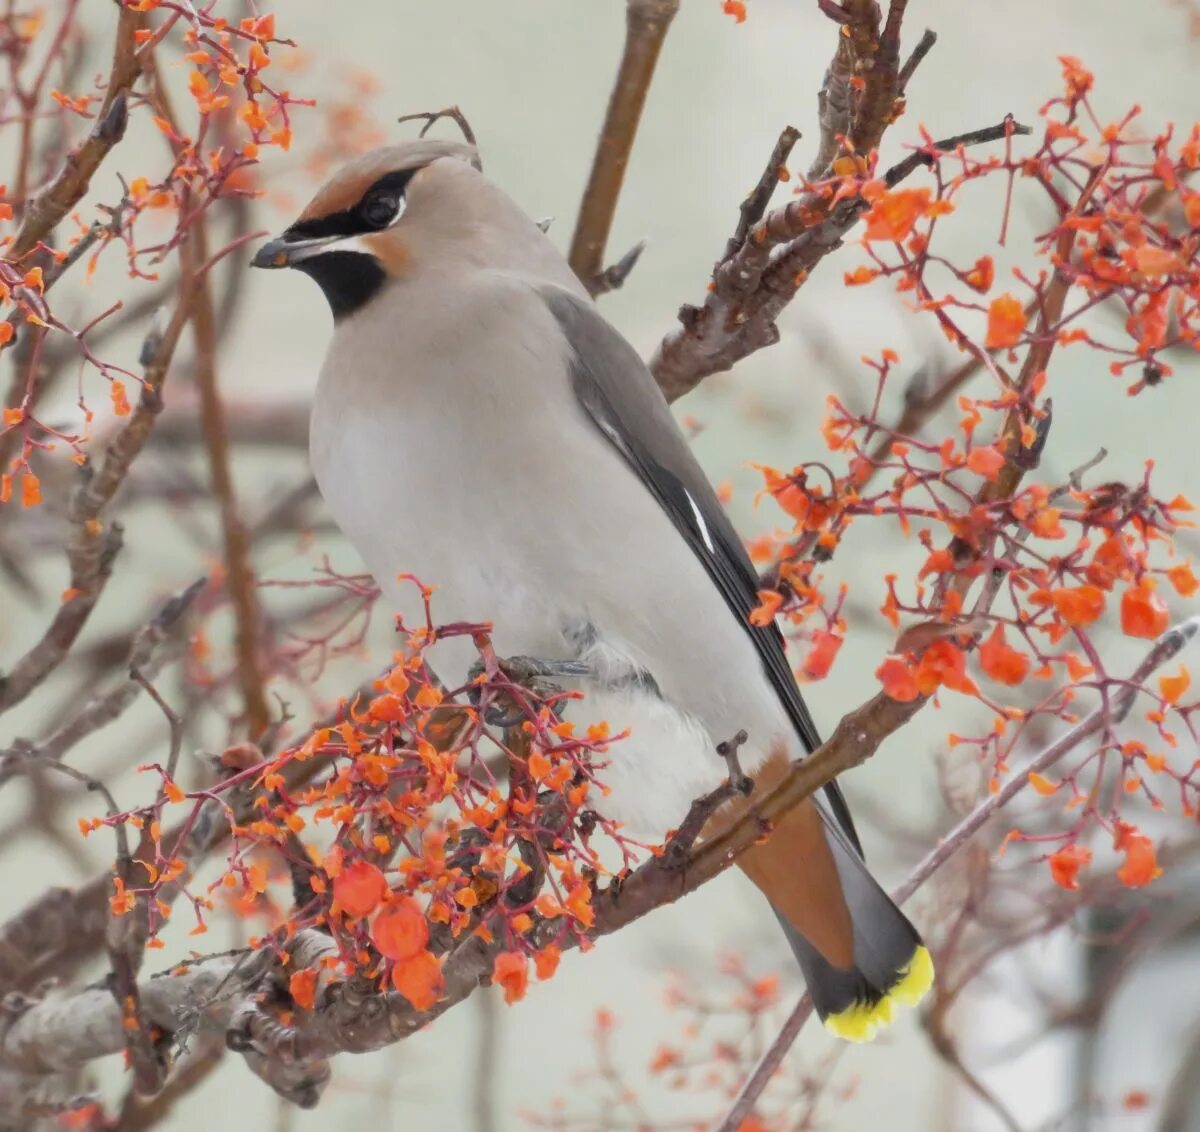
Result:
pixel 540 537
pixel 405 508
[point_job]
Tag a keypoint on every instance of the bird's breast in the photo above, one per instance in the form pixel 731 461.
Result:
pixel 437 440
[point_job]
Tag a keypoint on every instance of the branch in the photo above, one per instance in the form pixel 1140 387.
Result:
pixel 855 120
pixel 91 546
pixel 756 203
pixel 240 577
pixel 269 424
pixel 924 46
pixel 646 24
pixel 431 117
pixel 146 657
pixel 767 1066
pixel 353 1016
pixel 1166 647
pixel 63 927
pixel 47 210
pixel 137 1115
pixel 240 574
pixel 753 284
pixel 64 1032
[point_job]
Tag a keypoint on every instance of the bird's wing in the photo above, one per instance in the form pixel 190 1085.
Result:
pixel 618 392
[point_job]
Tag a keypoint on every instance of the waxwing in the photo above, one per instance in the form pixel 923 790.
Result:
pixel 480 425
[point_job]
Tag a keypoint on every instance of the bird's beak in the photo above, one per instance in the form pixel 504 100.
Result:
pixel 287 251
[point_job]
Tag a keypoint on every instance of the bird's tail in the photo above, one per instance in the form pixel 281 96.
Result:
pixel 860 956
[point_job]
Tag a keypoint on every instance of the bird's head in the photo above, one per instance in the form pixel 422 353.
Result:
pixel 368 222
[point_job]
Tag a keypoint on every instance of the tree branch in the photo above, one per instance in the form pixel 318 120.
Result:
pixel 47 210
pixel 1166 647
pixel 753 207
pixel 64 1032
pixel 646 24
pixel 753 284
pixel 91 546
pixel 353 1016
pixel 240 574
pixel 146 656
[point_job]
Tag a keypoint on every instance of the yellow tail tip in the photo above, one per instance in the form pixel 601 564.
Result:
pixel 862 1021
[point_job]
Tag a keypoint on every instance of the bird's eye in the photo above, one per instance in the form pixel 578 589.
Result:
pixel 378 210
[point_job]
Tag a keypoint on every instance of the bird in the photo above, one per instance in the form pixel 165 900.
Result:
pixel 478 424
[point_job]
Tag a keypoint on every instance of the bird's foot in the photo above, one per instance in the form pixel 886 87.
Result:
pixel 524 669
pixel 536 674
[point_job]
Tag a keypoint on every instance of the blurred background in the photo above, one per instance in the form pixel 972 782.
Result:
pixel 533 77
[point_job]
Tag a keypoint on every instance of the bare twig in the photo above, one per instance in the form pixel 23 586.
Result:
pixel 174 723
pixel 63 1032
pixel 768 1065
pixel 138 1114
pixel 946 1049
pixel 1179 1102
pixel 756 203
pixel 613 277
pixel 269 424
pixel 240 577
pixel 430 117
pixel 146 658
pixel 924 47
pixel 926 155
pixel 646 24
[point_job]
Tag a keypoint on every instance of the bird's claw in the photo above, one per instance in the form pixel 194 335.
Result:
pixel 533 673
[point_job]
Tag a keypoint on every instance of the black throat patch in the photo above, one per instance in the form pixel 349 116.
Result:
pixel 349 280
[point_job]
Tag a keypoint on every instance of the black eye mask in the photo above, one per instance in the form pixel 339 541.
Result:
pixel 376 209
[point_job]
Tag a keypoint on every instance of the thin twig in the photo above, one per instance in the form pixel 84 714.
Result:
pixel 924 47
pixel 174 723
pixel 926 155
pixel 613 277
pixel 139 1115
pixel 756 203
pixel 768 1065
pixel 1167 646
pixel 429 117
pixel 646 24
pixel 91 546
pixel 146 656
